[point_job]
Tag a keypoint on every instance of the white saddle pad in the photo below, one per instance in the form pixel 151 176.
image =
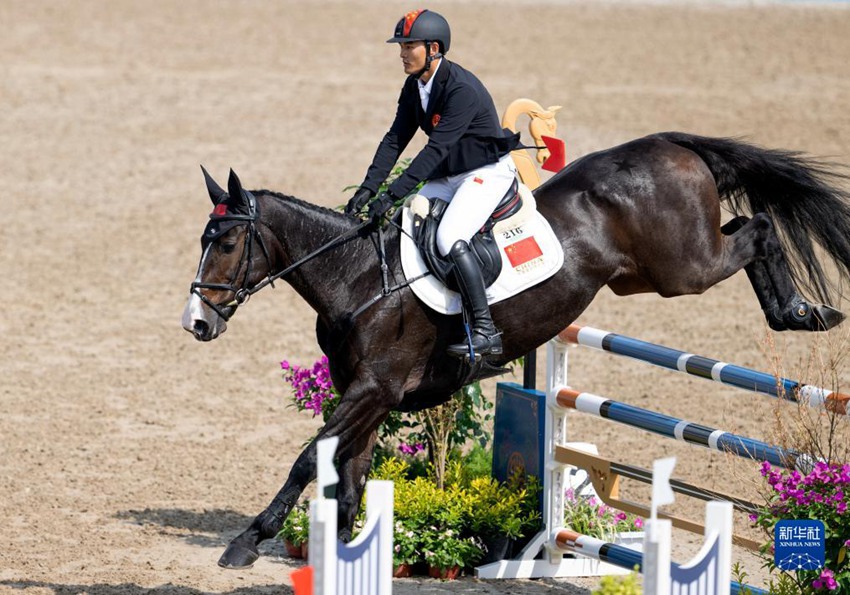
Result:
pixel 530 254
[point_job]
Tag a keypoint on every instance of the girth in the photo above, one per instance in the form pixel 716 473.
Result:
pixel 483 244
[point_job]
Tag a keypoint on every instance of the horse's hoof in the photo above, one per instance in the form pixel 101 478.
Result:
pixel 827 317
pixel 238 556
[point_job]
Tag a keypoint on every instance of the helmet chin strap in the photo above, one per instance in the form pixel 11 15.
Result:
pixel 429 58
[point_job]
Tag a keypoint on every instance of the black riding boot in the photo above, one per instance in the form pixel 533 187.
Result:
pixel 486 339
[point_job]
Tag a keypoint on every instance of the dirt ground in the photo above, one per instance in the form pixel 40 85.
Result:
pixel 129 453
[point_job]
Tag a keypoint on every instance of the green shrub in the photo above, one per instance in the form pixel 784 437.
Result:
pixel 628 584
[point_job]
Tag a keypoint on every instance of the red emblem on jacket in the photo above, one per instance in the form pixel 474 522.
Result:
pixel 435 119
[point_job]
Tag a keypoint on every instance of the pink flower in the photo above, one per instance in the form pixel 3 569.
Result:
pixel 826 581
pixel 638 522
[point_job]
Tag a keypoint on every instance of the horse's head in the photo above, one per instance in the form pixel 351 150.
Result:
pixel 234 259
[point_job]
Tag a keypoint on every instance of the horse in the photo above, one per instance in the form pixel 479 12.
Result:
pixel 644 216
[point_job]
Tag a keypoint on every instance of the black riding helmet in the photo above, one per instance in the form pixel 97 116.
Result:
pixel 424 25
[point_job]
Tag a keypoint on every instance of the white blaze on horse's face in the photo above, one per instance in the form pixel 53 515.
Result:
pixel 198 318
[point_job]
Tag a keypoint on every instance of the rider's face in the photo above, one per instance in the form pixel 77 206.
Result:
pixel 413 56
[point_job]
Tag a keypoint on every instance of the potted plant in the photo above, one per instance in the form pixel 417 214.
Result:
pixel 494 513
pixel 590 516
pixel 405 549
pixel 446 552
pixel 295 532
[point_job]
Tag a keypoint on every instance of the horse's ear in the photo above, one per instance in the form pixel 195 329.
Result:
pixel 238 200
pixel 553 108
pixel 217 193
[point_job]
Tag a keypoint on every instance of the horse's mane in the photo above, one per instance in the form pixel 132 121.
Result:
pixel 302 203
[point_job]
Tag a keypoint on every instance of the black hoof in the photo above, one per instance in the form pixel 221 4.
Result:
pixel 238 555
pixel 805 317
pixel 827 317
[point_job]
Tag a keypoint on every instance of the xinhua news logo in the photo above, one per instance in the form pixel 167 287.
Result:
pixel 799 545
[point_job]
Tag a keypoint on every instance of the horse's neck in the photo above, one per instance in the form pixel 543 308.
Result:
pixel 301 228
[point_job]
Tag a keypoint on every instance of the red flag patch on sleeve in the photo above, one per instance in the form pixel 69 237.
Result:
pixel 522 251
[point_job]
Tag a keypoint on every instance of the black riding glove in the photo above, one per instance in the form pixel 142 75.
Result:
pixel 358 201
pixel 379 206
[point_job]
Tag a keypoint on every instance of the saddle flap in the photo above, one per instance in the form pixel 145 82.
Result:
pixel 482 245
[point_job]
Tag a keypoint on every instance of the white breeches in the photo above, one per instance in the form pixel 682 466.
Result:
pixel 472 198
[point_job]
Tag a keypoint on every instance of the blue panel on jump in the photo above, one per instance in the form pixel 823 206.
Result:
pixel 518 431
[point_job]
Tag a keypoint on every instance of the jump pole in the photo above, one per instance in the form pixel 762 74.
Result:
pixel 704 367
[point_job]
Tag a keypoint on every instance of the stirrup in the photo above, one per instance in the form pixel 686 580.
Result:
pixel 478 344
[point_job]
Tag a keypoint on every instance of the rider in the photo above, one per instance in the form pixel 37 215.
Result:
pixel 466 161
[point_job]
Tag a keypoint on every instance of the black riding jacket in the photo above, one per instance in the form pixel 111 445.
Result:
pixel 462 126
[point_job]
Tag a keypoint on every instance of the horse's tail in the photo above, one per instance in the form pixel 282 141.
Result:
pixel 800 195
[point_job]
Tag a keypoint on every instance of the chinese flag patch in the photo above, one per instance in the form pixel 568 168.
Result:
pixel 477 180
pixel 522 251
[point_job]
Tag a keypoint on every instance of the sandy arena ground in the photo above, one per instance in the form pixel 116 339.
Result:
pixel 129 453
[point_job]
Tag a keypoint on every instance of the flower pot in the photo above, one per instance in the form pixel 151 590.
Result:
pixel 293 550
pixel 403 571
pixel 498 548
pixel 304 552
pixel 447 574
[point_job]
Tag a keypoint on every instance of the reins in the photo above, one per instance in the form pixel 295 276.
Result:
pixel 242 294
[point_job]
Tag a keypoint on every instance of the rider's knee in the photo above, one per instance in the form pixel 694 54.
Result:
pixel 459 248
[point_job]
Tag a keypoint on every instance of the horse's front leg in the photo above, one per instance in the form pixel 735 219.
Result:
pixel 363 407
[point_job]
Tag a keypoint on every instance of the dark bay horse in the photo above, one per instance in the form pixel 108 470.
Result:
pixel 641 217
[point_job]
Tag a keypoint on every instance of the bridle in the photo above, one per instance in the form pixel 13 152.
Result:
pixel 242 293
pixel 218 227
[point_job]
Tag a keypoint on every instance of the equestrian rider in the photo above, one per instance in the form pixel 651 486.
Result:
pixel 466 161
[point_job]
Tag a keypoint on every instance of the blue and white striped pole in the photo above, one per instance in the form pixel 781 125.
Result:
pixel 673 427
pixel 711 369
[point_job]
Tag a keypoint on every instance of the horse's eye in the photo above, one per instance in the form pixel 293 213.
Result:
pixel 227 248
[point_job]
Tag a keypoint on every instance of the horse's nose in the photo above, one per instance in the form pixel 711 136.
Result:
pixel 201 329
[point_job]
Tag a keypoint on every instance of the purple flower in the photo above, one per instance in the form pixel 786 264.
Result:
pixel 825 581
pixel 411 449
pixel 638 522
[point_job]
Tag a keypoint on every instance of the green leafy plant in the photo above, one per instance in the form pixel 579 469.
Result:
pixel 406 544
pixel 628 584
pixel 296 527
pixel 494 509
pixel 446 548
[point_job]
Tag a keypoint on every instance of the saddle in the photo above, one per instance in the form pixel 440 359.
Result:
pixel 427 216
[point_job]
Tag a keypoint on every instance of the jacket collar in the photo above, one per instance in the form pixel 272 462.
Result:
pixel 439 85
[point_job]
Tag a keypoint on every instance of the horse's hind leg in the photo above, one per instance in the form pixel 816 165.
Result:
pixel 353 471
pixel 770 277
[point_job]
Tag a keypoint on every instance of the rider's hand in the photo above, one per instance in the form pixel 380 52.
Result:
pixel 358 201
pixel 379 206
